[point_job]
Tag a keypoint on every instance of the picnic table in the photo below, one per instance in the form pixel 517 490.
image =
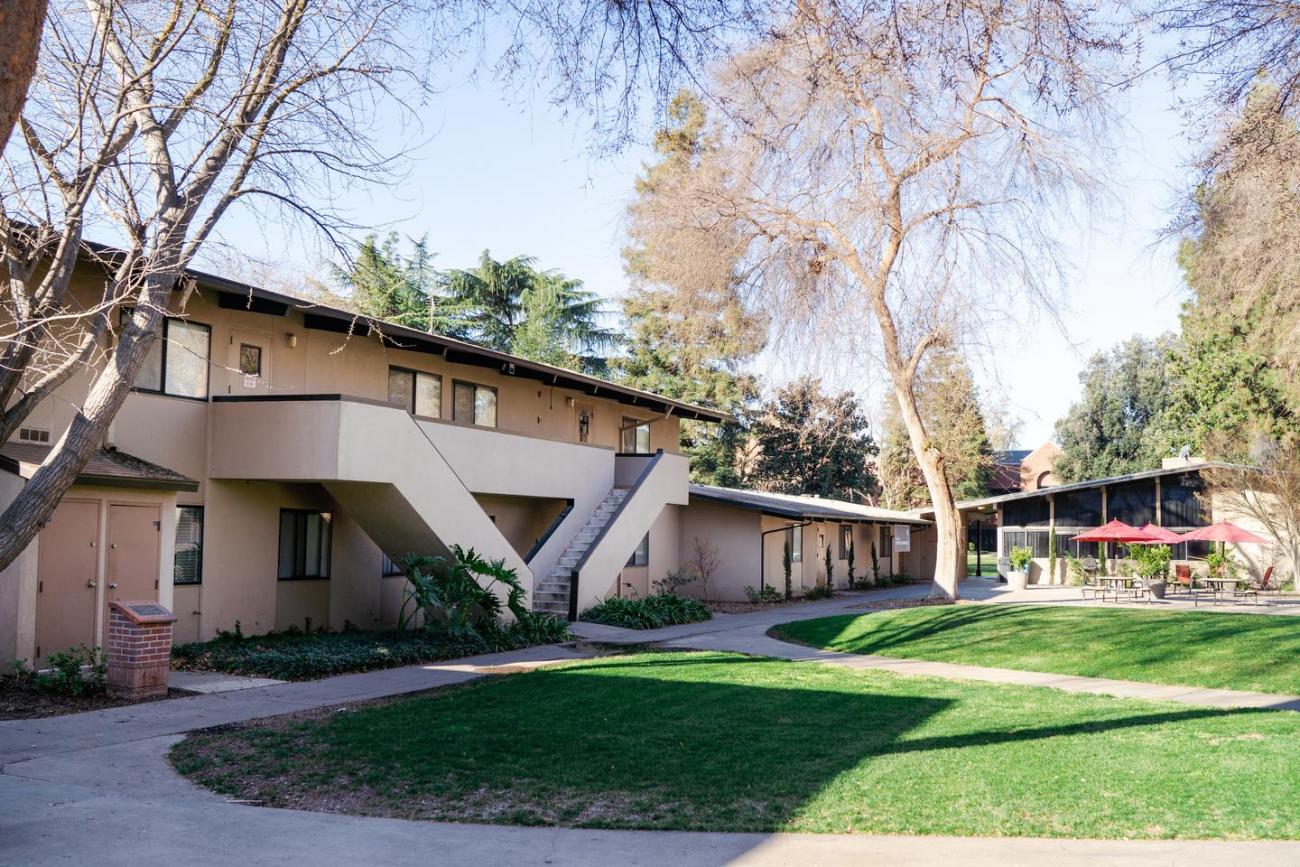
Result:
pixel 1227 587
pixel 1120 585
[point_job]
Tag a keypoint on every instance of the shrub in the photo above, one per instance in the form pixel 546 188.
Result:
pixel 1020 557
pixel 77 671
pixel 853 579
pixel 652 612
pixel 821 591
pixel 787 565
pixel 901 578
pixel 674 581
pixel 454 601
pixel 767 594
pixel 875 565
pixel 1075 567
pixel 830 573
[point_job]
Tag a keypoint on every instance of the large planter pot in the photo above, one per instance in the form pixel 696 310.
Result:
pixel 1017 580
pixel 1158 587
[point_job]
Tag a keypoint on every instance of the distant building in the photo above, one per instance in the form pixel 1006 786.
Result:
pixel 1024 470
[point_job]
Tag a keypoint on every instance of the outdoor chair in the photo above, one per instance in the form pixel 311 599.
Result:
pixel 1266 585
pixel 1090 582
pixel 1183 578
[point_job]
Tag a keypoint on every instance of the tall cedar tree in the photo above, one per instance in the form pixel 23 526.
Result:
pixel 689 341
pixel 384 283
pixel 813 443
pixel 950 405
pixel 513 306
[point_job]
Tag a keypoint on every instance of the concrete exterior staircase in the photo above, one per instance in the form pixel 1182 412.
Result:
pixel 551 594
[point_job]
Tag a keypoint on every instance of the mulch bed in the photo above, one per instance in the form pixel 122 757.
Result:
pixel 17 702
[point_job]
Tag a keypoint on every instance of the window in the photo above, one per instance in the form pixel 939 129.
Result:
pixel 420 393
pixel 636 437
pixel 250 359
pixel 1181 504
pixel 887 544
pixel 304 544
pixel 387 568
pixel 1079 508
pixel 1030 512
pixel 177 363
pixel 187 565
pixel 1133 503
pixel 846 540
pixel 474 404
pixel 33 435
pixel 794 538
pixel 641 556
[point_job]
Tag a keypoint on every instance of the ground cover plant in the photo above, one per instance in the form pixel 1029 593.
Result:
pixel 1196 648
pixel 722 742
pixel 648 612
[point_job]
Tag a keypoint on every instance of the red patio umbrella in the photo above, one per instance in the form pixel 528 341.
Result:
pixel 1161 536
pixel 1115 531
pixel 1224 531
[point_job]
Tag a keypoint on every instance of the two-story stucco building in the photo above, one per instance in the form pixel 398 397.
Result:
pixel 276 454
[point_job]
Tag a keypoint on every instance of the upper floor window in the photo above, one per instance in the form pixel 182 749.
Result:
pixel 474 404
pixel 304 544
pixel 177 362
pixel 188 559
pixel 420 393
pixel 636 437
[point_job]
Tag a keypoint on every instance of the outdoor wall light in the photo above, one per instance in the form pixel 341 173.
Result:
pixel 291 340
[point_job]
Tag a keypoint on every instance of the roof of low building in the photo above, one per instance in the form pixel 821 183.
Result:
pixel 106 467
pixel 802 507
pixel 1090 483
pixel 236 295
pixel 1012 457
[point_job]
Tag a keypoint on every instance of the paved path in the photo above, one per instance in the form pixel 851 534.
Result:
pixel 95 789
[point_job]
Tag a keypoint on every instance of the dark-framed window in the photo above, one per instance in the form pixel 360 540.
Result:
pixel 187 562
pixel 846 540
pixel 387 568
pixel 1029 512
pixel 794 538
pixel 250 359
pixel 1078 508
pixel 641 556
pixel 887 543
pixel 474 404
pixel 1182 503
pixel 1134 503
pixel 419 392
pixel 636 437
pixel 178 360
pixel 305 537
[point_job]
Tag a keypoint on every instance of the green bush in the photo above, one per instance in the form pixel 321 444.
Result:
pixel 301 656
pixel 650 612
pixel 1020 557
pixel 820 591
pixel 767 594
pixel 77 671
pixel 901 578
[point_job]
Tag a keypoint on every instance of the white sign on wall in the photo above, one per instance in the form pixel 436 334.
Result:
pixel 902 538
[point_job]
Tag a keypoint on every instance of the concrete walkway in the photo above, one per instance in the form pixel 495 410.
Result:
pixel 95 788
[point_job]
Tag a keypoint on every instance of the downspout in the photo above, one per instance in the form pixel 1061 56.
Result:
pixel 762 551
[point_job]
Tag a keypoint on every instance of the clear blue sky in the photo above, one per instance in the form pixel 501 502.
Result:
pixel 514 175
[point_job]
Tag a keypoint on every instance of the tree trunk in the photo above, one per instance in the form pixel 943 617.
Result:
pixel 31 509
pixel 947 518
pixel 21 22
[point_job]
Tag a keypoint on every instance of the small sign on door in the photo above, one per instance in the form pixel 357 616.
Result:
pixel 902 538
pixel 250 382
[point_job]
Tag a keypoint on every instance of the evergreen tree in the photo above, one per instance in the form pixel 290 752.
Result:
pixel 384 283
pixel 949 402
pixel 512 306
pixel 688 341
pixel 1119 425
pixel 813 443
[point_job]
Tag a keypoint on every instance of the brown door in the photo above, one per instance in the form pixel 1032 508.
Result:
pixel 132 573
pixel 67 561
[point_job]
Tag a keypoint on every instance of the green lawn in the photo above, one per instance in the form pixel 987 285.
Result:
pixel 988 564
pixel 1232 651
pixel 727 742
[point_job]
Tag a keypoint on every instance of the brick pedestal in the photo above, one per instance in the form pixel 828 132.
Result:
pixel 139 649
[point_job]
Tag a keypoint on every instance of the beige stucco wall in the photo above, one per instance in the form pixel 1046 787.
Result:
pixel 522 520
pixel 533 453
pixel 17 591
pixel 733 535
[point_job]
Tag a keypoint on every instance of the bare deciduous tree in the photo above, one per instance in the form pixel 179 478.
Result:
pixel 1268 493
pixel 896 173
pixel 158 118
pixel 20 42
